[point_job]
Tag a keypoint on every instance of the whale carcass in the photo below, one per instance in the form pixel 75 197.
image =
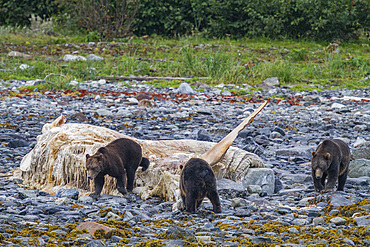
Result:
pixel 58 159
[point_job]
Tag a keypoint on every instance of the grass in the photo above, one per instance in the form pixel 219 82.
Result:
pixel 300 65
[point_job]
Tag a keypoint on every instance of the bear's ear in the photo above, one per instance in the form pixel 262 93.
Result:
pixel 313 153
pixel 87 156
pixel 327 156
pixel 100 157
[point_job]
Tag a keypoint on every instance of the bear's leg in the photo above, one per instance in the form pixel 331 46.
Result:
pixel 323 179
pixel 98 184
pixel 121 184
pixel 215 199
pixel 317 183
pixel 332 179
pixel 342 180
pixel 130 179
pixel 190 200
pixel 183 198
pixel 199 202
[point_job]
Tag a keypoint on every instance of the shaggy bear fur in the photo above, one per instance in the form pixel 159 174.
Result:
pixel 198 181
pixel 119 159
pixel 330 160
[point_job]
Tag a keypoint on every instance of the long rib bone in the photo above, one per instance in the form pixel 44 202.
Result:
pixel 214 155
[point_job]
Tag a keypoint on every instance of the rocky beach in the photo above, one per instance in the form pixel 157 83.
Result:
pixel 284 211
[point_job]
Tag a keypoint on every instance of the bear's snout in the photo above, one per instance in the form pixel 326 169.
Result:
pixel 91 175
pixel 318 173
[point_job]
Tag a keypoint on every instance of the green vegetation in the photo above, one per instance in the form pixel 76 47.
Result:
pixel 302 65
pixel 294 19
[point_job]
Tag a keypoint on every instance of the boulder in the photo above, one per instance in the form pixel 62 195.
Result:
pixel 185 88
pixel 361 152
pixel 359 168
pixel 263 177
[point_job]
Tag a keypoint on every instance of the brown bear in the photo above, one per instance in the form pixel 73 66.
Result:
pixel 198 181
pixel 119 159
pixel 330 160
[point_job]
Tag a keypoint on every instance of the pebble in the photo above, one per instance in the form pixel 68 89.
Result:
pixel 272 211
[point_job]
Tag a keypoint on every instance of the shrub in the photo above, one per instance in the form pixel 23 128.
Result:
pixel 313 19
pixel 18 12
pixel 102 19
pixel 170 18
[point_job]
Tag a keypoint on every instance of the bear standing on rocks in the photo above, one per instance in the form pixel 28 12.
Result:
pixel 330 160
pixel 119 159
pixel 198 181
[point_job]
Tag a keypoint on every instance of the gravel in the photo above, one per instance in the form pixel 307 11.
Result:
pixel 283 135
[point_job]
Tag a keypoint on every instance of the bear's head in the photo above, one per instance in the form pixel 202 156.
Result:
pixel 320 162
pixel 94 165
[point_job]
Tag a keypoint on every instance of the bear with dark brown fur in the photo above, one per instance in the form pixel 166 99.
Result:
pixel 119 159
pixel 198 181
pixel 330 161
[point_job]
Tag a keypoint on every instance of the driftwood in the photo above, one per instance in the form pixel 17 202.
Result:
pixel 58 159
pixel 147 78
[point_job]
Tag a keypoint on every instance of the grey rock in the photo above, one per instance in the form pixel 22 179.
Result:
pixel 25 66
pixel 243 212
pixel 318 221
pixel 69 193
pixel 275 135
pixel 16 143
pixel 348 241
pixel 185 88
pixel 224 184
pixel 264 177
pixel 312 99
pixel 359 141
pixel 254 189
pixel 95 243
pixel 176 232
pixel 176 243
pixel 272 81
pixel 261 239
pixel 304 202
pixel 361 152
pixel 304 151
pixel 337 106
pixel 284 210
pixel 104 113
pixel 338 221
pixel 293 230
pixel 299 221
pixel 203 135
pixel 72 58
pixel 86 199
pixel 362 181
pixel 278 185
pixel 338 199
pixel 239 202
pixel 359 168
pixel 226 93
pixel 18 54
pixel 290 191
pixel 360 128
pixel 363 220
pixel 93 57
